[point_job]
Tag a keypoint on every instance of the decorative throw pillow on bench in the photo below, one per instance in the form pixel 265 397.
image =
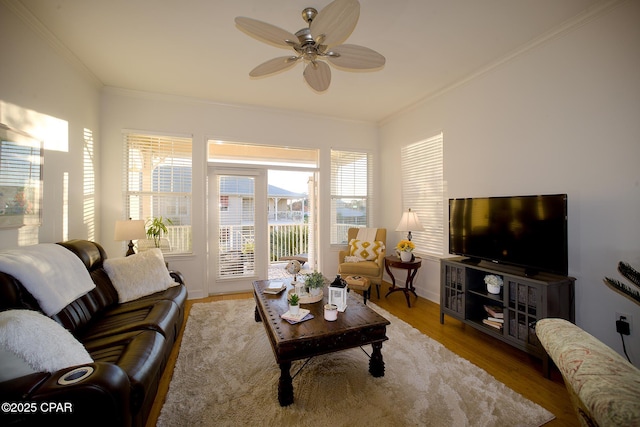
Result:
pixel 139 275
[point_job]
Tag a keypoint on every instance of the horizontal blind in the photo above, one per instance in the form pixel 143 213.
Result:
pixel 236 225
pixel 19 164
pixel 423 191
pixel 350 192
pixel 157 183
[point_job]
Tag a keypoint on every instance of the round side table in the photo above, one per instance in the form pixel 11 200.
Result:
pixel 412 267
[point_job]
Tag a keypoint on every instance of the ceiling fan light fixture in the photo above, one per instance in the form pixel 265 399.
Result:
pixel 321 40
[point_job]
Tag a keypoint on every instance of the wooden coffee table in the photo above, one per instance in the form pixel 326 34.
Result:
pixel 356 327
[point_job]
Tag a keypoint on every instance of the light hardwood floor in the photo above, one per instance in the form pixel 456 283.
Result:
pixel 516 369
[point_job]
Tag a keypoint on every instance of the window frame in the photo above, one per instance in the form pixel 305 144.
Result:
pixel 144 153
pixel 361 190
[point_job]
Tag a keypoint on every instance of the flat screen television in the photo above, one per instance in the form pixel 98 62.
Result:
pixel 523 231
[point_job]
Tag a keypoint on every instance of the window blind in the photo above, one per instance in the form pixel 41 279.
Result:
pixel 237 225
pixel 423 191
pixel 157 183
pixel 350 192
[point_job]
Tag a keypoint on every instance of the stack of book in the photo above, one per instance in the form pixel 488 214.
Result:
pixel 303 314
pixel 495 317
pixel 275 287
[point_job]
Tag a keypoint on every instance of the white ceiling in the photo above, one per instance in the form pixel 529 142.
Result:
pixel 193 48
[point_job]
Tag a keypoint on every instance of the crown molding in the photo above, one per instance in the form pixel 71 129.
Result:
pixel 28 18
pixel 588 15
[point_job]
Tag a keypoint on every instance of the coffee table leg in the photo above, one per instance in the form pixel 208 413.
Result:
pixel 285 385
pixel 256 315
pixel 376 364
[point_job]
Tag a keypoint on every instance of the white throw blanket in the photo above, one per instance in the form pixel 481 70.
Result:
pixel 54 275
pixel 367 234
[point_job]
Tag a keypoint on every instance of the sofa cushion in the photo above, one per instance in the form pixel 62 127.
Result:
pixel 40 341
pixel 160 316
pixel 139 275
pixel 364 268
pixel 141 354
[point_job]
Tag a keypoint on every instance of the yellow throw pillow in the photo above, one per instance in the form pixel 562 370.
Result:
pixel 367 251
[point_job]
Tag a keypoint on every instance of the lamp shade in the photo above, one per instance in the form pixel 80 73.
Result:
pixel 409 222
pixel 130 229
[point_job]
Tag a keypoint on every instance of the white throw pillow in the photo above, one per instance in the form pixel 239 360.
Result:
pixel 139 275
pixel 41 342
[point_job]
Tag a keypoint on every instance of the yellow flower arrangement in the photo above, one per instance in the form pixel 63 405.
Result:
pixel 405 246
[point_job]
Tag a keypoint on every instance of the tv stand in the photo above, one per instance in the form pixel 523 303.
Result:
pixel 530 272
pixel 522 301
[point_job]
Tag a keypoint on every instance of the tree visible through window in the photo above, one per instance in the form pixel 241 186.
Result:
pixel 158 183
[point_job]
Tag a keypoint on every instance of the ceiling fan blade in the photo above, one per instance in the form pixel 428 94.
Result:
pixel 336 22
pixel 356 57
pixel 318 75
pixel 274 65
pixel 266 32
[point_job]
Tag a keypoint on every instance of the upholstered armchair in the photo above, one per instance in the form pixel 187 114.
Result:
pixel 372 269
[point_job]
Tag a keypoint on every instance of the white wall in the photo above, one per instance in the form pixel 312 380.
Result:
pixel 564 117
pixel 203 120
pixel 43 94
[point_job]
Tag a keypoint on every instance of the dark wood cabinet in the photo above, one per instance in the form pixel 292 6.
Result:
pixel 522 301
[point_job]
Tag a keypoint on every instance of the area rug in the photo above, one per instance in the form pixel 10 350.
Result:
pixel 226 375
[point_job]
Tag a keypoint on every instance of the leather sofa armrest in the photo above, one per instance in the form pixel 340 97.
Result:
pixel 177 276
pixel 100 398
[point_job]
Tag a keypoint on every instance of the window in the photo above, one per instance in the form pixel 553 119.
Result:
pixel 158 183
pixel 350 192
pixel 423 191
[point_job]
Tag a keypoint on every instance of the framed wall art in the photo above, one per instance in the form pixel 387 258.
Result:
pixel 21 161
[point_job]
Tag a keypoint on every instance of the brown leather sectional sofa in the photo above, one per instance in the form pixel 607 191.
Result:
pixel 129 342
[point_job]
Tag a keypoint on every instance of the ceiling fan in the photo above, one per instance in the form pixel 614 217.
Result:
pixel 321 40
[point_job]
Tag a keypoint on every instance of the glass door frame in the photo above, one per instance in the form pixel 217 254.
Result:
pixel 236 283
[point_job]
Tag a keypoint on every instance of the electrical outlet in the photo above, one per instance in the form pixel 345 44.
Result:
pixel 627 318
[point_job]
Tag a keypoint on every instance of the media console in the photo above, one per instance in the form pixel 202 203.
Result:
pixel 521 302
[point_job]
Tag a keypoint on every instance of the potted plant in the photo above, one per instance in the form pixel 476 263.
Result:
pixel 405 248
pixel 494 283
pixel 315 282
pixel 294 304
pixel 156 227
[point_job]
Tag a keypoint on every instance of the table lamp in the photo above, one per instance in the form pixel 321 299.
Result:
pixel 130 230
pixel 408 222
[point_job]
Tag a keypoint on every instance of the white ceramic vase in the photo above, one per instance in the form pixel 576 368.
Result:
pixel 294 309
pixel 405 256
pixel 493 289
pixel 314 292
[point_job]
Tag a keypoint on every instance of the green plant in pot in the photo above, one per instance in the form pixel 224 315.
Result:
pixel 156 227
pixel 315 282
pixel 294 304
